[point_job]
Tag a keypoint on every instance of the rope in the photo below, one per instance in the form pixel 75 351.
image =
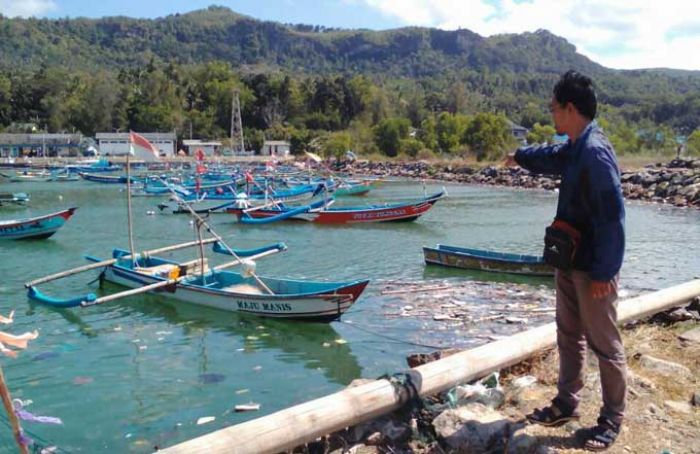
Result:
pixel 406 389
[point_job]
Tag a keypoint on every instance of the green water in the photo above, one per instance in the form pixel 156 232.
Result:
pixel 138 373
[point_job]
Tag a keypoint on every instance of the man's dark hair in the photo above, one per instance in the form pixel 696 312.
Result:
pixel 577 89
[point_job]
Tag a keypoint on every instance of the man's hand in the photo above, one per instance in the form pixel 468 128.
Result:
pixel 601 289
pixel 510 160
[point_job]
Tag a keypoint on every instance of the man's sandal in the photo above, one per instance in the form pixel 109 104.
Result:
pixel 602 436
pixel 553 416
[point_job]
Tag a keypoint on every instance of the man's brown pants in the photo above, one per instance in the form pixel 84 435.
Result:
pixel 580 319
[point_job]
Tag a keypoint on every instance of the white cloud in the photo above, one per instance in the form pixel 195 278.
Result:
pixel 26 8
pixel 621 34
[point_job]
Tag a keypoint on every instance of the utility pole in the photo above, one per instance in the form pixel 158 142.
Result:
pixel 237 143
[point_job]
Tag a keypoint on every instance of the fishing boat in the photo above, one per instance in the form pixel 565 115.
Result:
pixel 29 175
pixel 349 188
pixel 34 228
pixel 195 282
pixel 13 199
pixel 108 179
pixel 396 212
pixel 477 259
pixel 219 201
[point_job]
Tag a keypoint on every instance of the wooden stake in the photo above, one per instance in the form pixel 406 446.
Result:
pixel 12 416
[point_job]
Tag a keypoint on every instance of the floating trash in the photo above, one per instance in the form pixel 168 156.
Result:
pixel 82 380
pixel 45 355
pixel 208 379
pixel 247 407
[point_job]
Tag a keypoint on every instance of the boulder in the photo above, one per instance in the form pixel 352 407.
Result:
pixel 473 428
pixel 663 367
pixel 692 336
pixel 679 407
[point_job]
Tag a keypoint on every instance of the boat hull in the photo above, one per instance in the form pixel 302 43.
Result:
pixel 389 213
pixel 480 260
pixel 34 228
pixel 319 307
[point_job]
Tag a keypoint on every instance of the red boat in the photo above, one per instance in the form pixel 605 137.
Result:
pixel 323 214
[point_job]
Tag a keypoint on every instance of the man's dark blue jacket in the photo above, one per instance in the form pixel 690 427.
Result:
pixel 590 197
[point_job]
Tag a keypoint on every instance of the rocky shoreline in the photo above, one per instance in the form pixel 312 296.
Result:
pixel 676 183
pixel 488 416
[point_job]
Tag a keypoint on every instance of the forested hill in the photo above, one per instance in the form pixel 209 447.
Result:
pixel 178 72
pixel 218 33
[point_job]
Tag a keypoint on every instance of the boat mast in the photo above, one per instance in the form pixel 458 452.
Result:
pixel 132 250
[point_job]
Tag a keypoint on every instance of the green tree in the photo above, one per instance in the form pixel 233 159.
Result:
pixel 693 144
pixel 540 133
pixel 5 101
pixel 489 136
pixel 448 130
pixel 428 133
pixel 337 143
pixel 389 133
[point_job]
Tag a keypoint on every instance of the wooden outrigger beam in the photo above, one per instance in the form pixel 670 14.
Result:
pixel 92 266
pixel 294 426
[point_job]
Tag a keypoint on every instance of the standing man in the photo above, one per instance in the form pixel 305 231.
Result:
pixel 591 208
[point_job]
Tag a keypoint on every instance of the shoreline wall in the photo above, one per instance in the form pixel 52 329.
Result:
pixel 676 183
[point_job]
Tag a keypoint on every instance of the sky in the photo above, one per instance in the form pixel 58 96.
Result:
pixel 621 34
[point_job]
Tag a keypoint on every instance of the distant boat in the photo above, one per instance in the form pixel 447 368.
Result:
pixel 28 175
pixel 13 199
pixel 397 212
pixel 109 179
pixel 34 228
pixel 477 259
pixel 92 166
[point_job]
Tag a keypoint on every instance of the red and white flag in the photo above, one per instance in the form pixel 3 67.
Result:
pixel 139 142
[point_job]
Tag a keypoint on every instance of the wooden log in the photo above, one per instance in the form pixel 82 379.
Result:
pixel 11 415
pixel 92 266
pixel 294 426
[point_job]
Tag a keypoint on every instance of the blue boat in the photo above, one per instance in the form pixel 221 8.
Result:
pixel 109 179
pixel 196 283
pixel 477 259
pixel 34 228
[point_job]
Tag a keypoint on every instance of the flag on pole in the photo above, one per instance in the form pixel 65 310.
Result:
pixel 139 142
pixel 200 169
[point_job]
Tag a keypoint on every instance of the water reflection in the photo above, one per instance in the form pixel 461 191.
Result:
pixel 312 344
pixel 442 272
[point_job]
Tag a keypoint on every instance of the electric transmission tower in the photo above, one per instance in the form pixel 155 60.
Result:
pixel 237 143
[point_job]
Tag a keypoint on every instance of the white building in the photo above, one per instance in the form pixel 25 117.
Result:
pixel 117 143
pixel 40 144
pixel 209 148
pixel 275 148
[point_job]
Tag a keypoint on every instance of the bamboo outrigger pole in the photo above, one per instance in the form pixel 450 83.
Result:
pixel 108 262
pixel 170 282
pixel 292 427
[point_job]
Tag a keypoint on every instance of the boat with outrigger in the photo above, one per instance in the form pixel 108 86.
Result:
pixel 197 282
